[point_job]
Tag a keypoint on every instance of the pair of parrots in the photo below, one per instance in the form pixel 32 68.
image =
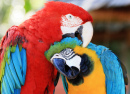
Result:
pixel 85 67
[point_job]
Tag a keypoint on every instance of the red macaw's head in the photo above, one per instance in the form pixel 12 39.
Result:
pixel 58 20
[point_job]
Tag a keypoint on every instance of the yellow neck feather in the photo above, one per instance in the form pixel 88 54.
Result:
pixel 94 83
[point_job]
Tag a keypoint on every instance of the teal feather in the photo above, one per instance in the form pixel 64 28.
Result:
pixel 24 63
pixel 4 87
pixel 10 75
pixel 14 70
pixel 9 80
pixel 17 52
pixel 71 40
pixel 17 91
pixel 4 84
pixel 65 85
pixel 17 83
pixel 113 72
pixel 7 84
pixel 16 59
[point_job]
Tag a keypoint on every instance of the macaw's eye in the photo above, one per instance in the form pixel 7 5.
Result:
pixel 69 16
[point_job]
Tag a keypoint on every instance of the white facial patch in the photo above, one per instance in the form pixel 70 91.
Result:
pixel 75 61
pixel 66 30
pixel 70 24
pixel 70 21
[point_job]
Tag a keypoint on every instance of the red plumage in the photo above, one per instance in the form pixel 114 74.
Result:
pixel 37 34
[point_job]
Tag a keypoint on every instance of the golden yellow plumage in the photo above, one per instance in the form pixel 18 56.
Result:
pixel 94 83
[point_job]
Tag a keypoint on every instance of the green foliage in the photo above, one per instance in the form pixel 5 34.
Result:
pixel 0 38
pixel 5 11
pixel 27 6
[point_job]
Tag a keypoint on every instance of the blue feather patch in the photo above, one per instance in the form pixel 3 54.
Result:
pixel 112 69
pixel 14 72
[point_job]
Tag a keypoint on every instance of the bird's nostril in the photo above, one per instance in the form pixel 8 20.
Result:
pixel 80 30
pixel 67 68
pixel 57 55
pixel 76 34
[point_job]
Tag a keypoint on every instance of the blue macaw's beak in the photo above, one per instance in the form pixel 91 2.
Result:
pixel 69 72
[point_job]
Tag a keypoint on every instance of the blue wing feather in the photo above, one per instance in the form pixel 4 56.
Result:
pixel 10 75
pixel 24 65
pixel 113 72
pixel 10 86
pixel 16 59
pixel 8 79
pixel 7 84
pixel 15 72
pixel 17 91
pixel 15 77
pixel 112 69
pixel 4 87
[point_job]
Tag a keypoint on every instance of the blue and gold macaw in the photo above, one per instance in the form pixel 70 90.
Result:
pixel 91 70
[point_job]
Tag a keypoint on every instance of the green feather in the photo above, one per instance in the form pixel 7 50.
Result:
pixel 20 47
pixel 13 48
pixel 2 69
pixel 6 58
pixel 59 46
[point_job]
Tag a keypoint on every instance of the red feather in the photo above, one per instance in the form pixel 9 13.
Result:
pixel 37 34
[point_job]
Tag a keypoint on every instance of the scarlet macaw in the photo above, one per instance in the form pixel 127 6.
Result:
pixel 23 66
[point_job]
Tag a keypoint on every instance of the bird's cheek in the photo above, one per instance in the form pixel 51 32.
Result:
pixel 74 62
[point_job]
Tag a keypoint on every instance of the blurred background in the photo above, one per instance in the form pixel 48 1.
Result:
pixel 111 23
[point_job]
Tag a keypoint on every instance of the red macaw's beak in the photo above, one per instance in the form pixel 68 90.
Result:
pixel 84 32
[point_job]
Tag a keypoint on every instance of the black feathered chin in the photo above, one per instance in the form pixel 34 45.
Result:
pixel 86 67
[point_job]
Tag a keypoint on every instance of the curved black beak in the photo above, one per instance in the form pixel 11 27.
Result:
pixel 63 68
pixel 83 32
pixel 77 34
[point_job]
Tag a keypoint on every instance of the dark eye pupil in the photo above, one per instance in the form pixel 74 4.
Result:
pixel 70 16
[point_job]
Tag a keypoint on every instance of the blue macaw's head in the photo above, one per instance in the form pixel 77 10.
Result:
pixel 71 65
pixel 67 63
pixel 61 55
